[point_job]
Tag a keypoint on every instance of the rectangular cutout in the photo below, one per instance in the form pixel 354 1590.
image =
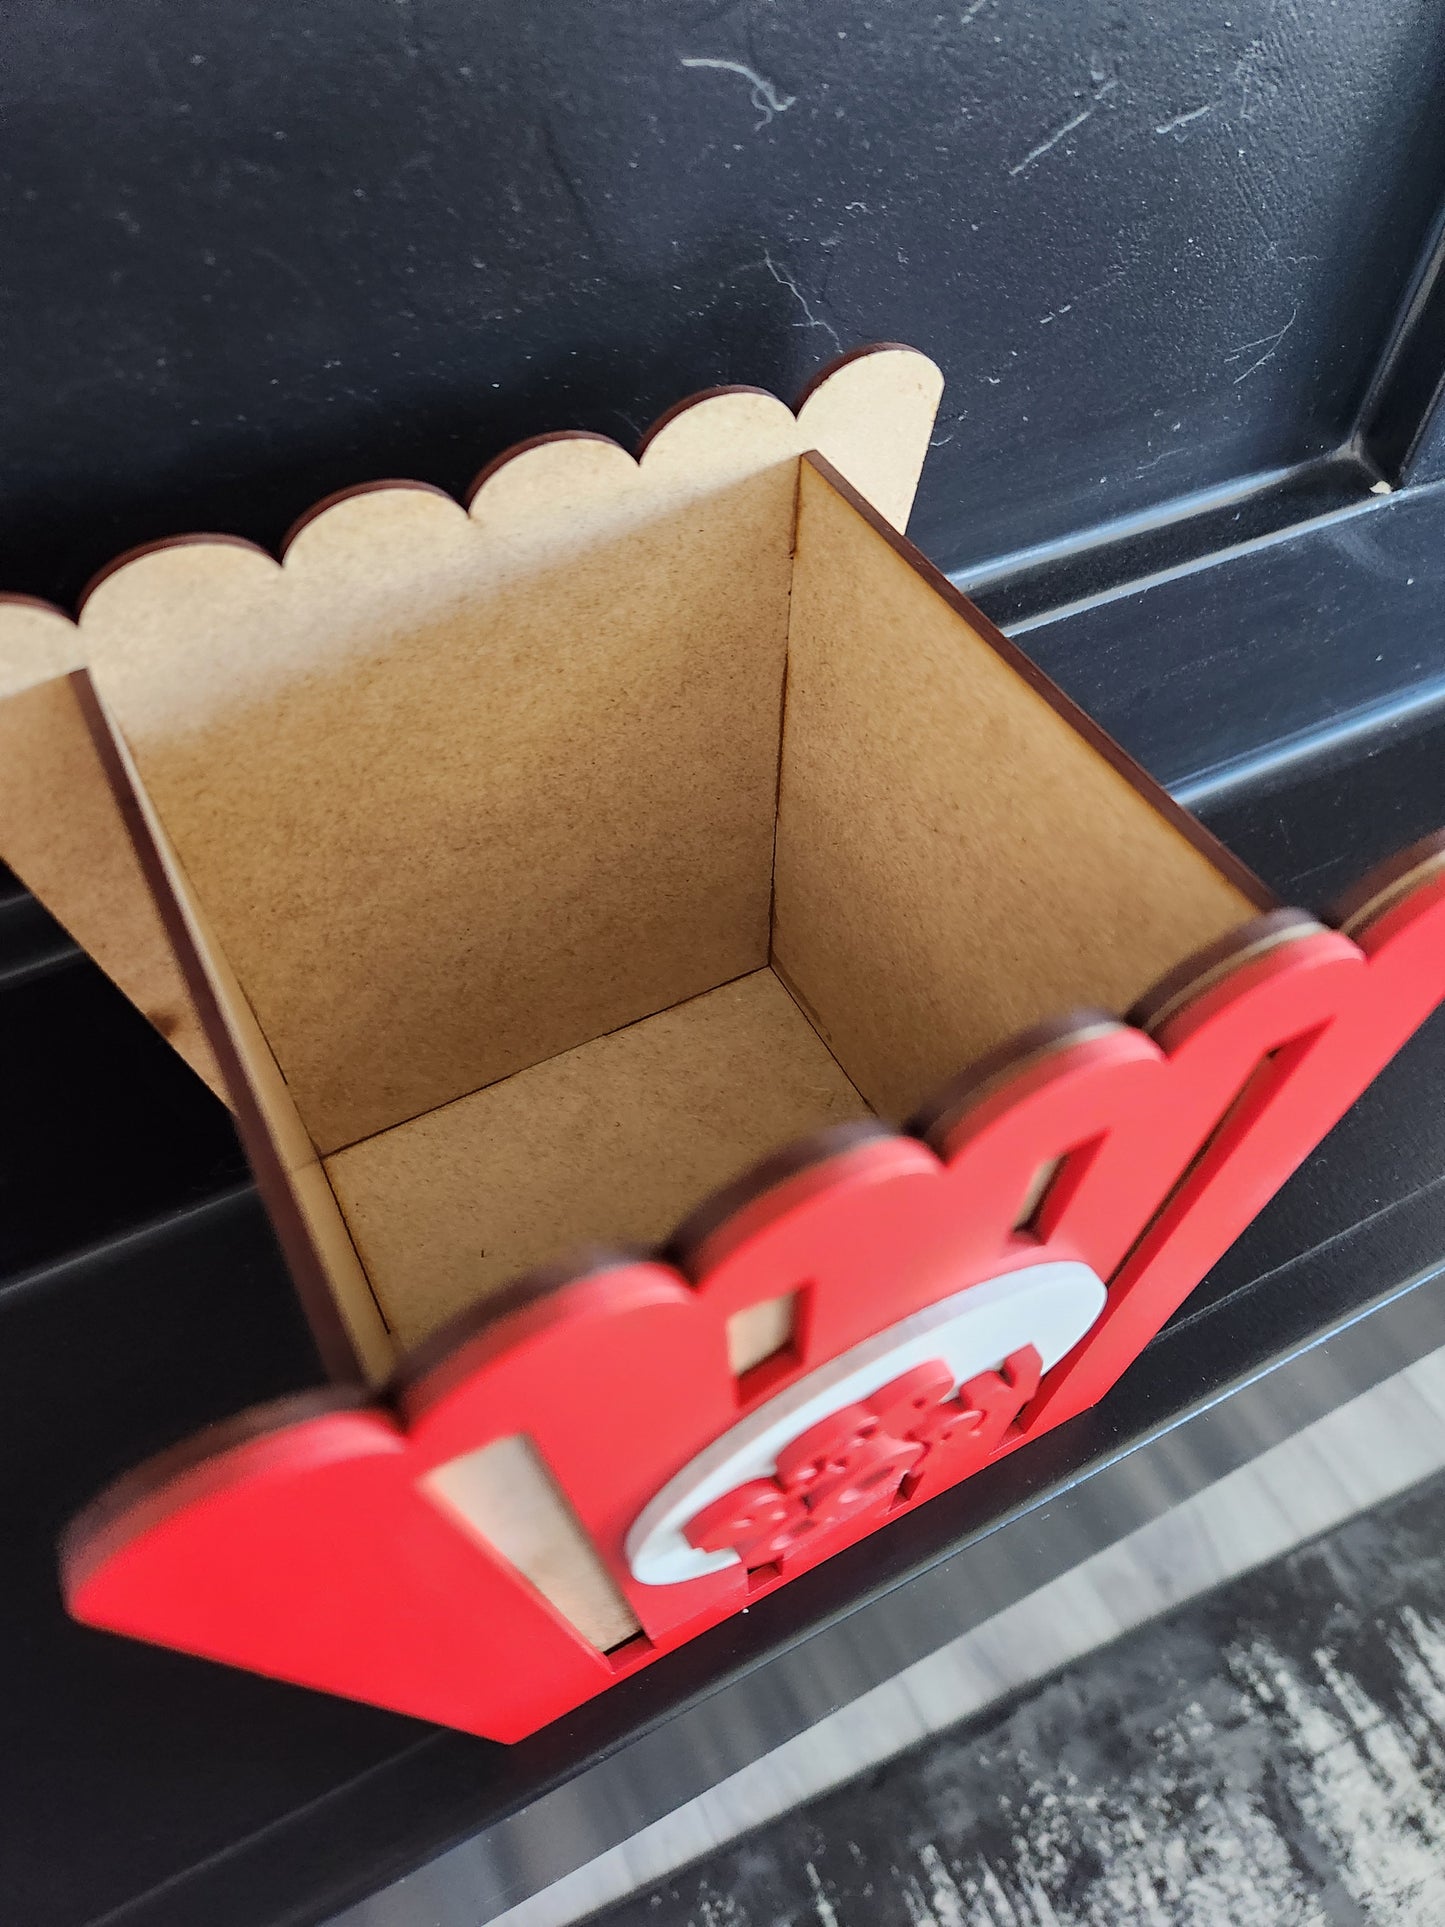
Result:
pixel 758 1332
pixel 505 1494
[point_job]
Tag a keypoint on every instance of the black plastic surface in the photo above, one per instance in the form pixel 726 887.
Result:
pixel 99 1130
pixel 253 256
pixel 1252 650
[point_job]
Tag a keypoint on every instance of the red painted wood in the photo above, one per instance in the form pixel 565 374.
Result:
pixel 308 1551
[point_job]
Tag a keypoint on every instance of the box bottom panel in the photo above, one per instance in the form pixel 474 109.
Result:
pixel 613 1142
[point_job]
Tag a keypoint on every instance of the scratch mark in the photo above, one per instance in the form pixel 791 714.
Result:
pixel 1270 344
pixel 763 94
pixel 1183 120
pixel 810 320
pixel 855 207
pixel 822 1906
pixel 1245 69
pixel 1163 456
pixel 296 272
pixel 1075 120
pixel 567 181
pixel 1250 70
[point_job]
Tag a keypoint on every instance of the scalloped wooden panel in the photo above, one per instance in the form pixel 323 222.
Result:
pixel 463 788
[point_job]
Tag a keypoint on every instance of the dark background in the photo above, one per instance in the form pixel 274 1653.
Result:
pixel 1180 265
pixel 254 253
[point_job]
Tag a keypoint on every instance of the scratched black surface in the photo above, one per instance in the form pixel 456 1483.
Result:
pixel 252 255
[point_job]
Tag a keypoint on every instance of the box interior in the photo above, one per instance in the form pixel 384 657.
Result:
pixel 953 862
pixel 736 828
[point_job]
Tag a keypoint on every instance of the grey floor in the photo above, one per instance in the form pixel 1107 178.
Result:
pixel 1360 1454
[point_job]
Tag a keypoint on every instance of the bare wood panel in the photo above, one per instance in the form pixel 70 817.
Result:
pixel 460 790
pixel 610 1142
pixel 955 861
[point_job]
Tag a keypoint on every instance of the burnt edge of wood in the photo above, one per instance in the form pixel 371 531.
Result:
pixel 651 433
pixel 514 449
pixel 1190 978
pixel 143 1484
pixel 199 539
pixel 16 599
pixel 1378 888
pixel 308 1274
pixel 937 1116
pixel 803 1154
pixel 830 368
pixel 529 1288
pixel 1079 720
pixel 339 495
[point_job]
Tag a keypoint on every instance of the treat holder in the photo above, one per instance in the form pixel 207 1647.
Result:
pixel 728 1048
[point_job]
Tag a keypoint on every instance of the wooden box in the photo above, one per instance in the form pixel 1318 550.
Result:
pixel 575 889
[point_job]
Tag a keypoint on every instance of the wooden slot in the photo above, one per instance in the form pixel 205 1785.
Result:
pixel 612 1142
pixel 1040 1184
pixel 759 1332
pixel 506 1495
pixel 960 853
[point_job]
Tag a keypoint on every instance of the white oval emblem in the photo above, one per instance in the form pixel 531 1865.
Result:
pixel 1049 1306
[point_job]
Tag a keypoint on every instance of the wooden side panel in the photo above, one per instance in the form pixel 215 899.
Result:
pixel 956 859
pixel 612 1142
pixel 60 834
pixel 330 1282
pixel 462 790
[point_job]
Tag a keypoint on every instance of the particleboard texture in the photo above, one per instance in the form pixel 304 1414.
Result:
pixel 60 834
pixel 955 862
pixel 614 1141
pixel 293 1185
pixel 460 789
